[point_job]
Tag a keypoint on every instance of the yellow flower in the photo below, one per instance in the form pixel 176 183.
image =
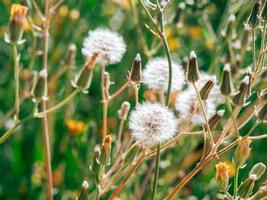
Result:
pixel 63 11
pixel 194 32
pixel 222 176
pixel 75 127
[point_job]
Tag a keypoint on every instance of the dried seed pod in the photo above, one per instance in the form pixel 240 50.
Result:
pixel 246 187
pixel 205 90
pixel 84 78
pixel 136 71
pixel 246 39
pixel 240 98
pixel 192 73
pixel 226 87
pixel 214 120
pixel 258 169
pixel 39 91
pixel 84 191
pixel 95 166
pixel 242 152
pixel 123 112
pixel 17 23
pixel 178 13
pixel 222 176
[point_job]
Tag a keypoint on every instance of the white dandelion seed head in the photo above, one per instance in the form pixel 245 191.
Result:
pixel 156 75
pixel 109 44
pixel 152 123
pixel 187 100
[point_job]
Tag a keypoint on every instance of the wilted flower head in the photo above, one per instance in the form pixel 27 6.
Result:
pixel 187 100
pixel 109 44
pixel 156 75
pixel 152 123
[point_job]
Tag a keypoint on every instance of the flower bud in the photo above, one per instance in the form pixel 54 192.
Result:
pixel 240 97
pixel 205 90
pixel 253 19
pixel 226 87
pixel 246 187
pixel 222 176
pixel 17 23
pixel 260 194
pixel 105 151
pixel 70 55
pixel 84 78
pixel 229 27
pixel 123 111
pixel 242 152
pixel 178 13
pixel 136 71
pixel 84 191
pixel 214 120
pixel 264 12
pixel 258 169
pixel 262 115
pixel 246 39
pixel 94 168
pixel 192 73
pixel 39 91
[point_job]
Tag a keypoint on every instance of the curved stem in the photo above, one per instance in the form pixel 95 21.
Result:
pixel 59 105
pixel 236 183
pixel 119 91
pixel 231 113
pixel 156 174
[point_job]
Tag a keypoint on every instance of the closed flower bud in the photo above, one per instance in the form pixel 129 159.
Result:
pixel 105 151
pixel 240 97
pixel 70 55
pixel 246 187
pixel 222 176
pixel 84 191
pixel 180 9
pixel 253 19
pixel 264 12
pixel 84 78
pixel 94 168
pixel 246 39
pixel 242 152
pixel 39 91
pixel 229 27
pixel 205 90
pixel 17 23
pixel 258 169
pixel 130 155
pixel 214 120
pixel 226 87
pixel 260 194
pixel 123 111
pixel 192 73
pixel 136 71
pixel 262 115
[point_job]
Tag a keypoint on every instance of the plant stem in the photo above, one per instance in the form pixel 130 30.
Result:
pixel 156 174
pixel 45 128
pixel 204 113
pixel 136 89
pixel 231 113
pixel 104 102
pixel 119 91
pixel 236 183
pixel 254 50
pixel 16 77
pixel 59 105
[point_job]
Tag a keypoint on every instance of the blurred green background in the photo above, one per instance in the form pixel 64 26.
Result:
pixel 75 129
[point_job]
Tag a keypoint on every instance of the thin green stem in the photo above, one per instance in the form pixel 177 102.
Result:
pixel 252 128
pixel 16 77
pixel 254 50
pixel 204 112
pixel 59 105
pixel 236 183
pixel 156 174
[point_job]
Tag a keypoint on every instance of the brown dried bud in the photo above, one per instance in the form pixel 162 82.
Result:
pixel 240 97
pixel 214 120
pixel 229 27
pixel 84 191
pixel 192 73
pixel 226 87
pixel 205 90
pixel 246 39
pixel 242 152
pixel 136 71
pixel 39 91
pixel 222 176
pixel 123 111
pixel 253 19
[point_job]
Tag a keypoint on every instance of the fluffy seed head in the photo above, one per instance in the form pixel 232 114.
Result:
pixel 152 123
pixel 109 44
pixel 156 75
